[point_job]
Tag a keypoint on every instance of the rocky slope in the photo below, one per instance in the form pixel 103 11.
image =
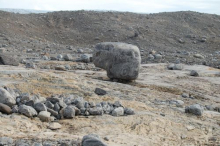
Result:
pixel 176 36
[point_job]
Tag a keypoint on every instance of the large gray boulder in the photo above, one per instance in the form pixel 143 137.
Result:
pixel 8 60
pixel 92 140
pixel 120 60
pixel 6 97
pixel 27 111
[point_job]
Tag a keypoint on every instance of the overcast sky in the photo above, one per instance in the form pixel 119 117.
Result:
pixel 141 6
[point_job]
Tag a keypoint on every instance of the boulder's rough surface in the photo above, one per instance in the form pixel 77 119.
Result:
pixel 120 60
pixel 8 60
pixel 27 110
pixel 92 140
pixel 6 98
pixel 5 109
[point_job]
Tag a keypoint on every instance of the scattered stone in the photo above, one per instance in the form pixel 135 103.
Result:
pixel 85 58
pixel 190 127
pixel 69 112
pixel 30 65
pixel 6 97
pixel 118 112
pixel 92 140
pixel 5 109
pixel 210 107
pixel 173 66
pixel 6 141
pixel 195 109
pixel 185 95
pixel 8 60
pixel 129 111
pixel 158 56
pixel 194 73
pixel 120 60
pixel 68 57
pixel 60 57
pixel 100 91
pixel 44 116
pixel 162 114
pixel 27 110
pixel 54 126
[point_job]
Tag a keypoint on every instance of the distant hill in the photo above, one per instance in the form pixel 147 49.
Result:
pixel 23 11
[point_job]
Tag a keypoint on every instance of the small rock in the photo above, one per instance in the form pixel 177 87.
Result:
pixel 100 91
pixel 56 107
pixel 30 65
pixel 129 111
pixel 118 111
pixel 40 107
pixel 68 57
pixel 27 110
pixel 44 116
pixel 194 73
pixel 60 57
pixel 96 111
pixel 195 109
pixel 158 56
pixel 185 95
pixel 5 109
pixel 190 127
pixel 54 126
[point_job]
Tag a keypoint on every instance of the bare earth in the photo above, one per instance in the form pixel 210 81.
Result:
pixel 156 122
